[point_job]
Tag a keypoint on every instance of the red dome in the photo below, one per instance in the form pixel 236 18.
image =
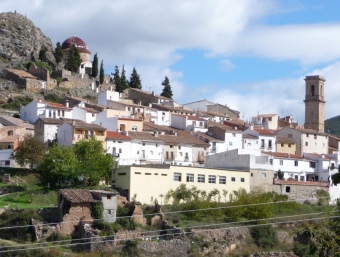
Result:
pixel 78 42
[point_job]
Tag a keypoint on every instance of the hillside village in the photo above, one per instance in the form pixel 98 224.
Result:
pixel 159 144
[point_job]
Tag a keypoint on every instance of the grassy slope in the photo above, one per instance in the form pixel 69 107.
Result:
pixel 332 125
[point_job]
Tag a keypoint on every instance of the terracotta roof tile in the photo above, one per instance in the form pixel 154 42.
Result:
pixel 78 195
pixel 284 155
pixel 116 135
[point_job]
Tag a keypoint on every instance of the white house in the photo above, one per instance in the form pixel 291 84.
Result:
pixel 119 146
pixel 47 128
pixel 268 121
pixel 266 138
pixel 35 109
pixel 188 122
pixel 108 95
pixel 83 113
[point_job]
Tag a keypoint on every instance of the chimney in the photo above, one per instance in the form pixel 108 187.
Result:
pixel 153 93
pixel 67 103
pixel 251 127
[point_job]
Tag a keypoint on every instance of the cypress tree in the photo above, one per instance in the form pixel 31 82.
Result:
pixel 135 81
pixel 167 91
pixel 116 80
pixel 42 54
pixel 74 61
pixel 124 82
pixel 58 53
pixel 94 73
pixel 101 73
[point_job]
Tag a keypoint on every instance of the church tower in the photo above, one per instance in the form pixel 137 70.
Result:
pixel 315 103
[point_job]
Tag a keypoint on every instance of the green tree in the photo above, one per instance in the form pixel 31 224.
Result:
pixel 116 80
pixel 124 82
pixel 135 81
pixel 58 53
pixel 167 91
pixel 94 164
pixel 264 236
pixel 94 73
pixel 74 60
pixel 30 151
pixel 42 54
pixel 101 73
pixel 59 163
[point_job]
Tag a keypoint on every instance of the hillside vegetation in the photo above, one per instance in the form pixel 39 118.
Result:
pixel 332 125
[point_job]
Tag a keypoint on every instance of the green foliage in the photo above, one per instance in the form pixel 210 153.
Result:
pixel 40 64
pixel 94 164
pixel 18 218
pixel 101 73
pixel 17 102
pixel 123 80
pixel 332 125
pixel 167 91
pixel 130 248
pixel 30 151
pixel 54 98
pixel 280 175
pixel 94 73
pixel 74 60
pixel 42 54
pixel 97 210
pixel 58 53
pixel 120 80
pixel 135 81
pixel 56 236
pixel 59 163
pixel 264 236
pixel 323 197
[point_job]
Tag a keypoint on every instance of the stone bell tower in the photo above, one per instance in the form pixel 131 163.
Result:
pixel 315 103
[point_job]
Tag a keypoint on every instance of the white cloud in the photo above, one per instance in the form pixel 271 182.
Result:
pixel 227 65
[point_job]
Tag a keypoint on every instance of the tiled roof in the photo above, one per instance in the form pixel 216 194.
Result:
pixel 307 131
pixel 172 109
pixel 10 139
pixel 283 155
pixel 150 126
pixel 148 93
pixel 321 156
pixel 213 114
pixel 78 195
pixel 55 105
pixel 143 136
pixel 116 135
pixel 13 120
pixel 190 117
pixel 207 137
pixel 249 136
pixel 81 124
pixel 90 110
pixel 280 139
pixel 264 131
pixel 50 120
pixel 22 73
pixel 133 119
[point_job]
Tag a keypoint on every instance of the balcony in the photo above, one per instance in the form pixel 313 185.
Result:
pixel 302 183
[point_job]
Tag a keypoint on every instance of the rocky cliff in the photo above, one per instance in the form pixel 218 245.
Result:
pixel 21 41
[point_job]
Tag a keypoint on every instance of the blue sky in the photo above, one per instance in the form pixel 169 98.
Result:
pixel 251 55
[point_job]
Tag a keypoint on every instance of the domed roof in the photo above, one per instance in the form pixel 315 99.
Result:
pixel 78 42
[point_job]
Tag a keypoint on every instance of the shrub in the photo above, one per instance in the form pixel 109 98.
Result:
pixel 264 236
pixel 55 236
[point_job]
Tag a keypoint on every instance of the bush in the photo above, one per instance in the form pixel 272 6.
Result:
pixel 264 236
pixel 55 236
pixel 54 98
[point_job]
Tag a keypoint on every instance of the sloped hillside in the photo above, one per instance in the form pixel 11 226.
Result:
pixel 332 125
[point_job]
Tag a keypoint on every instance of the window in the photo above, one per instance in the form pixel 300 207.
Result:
pixel 122 174
pixel 10 133
pixel 233 179
pixel 262 143
pixel 307 135
pixel 296 163
pixel 190 177
pixel 100 133
pixel 143 144
pixel 287 189
pixel 134 128
pixel 264 175
pixel 177 176
pixel 230 143
pixel 312 164
pixel 148 173
pixel 290 135
pixel 281 162
pixel 289 145
pixel 201 123
pixel 242 179
pixel 171 146
pixel 120 150
pixel 222 180
pixel 180 154
pixel 312 90
pixel 212 179
pixel 282 145
pixel 306 144
pixel 271 161
pixel 151 152
pixel 251 174
pixel 315 136
pixel 78 132
pixel 179 147
pixel 270 144
pixel 201 178
pixel 108 196
pixel 234 134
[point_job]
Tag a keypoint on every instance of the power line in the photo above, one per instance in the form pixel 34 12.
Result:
pixel 136 238
pixel 190 227
pixel 173 212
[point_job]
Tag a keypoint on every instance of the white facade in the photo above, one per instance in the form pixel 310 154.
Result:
pixel 108 95
pixel 65 134
pixel 146 151
pixel 35 109
pixel 85 66
pixel 269 121
pixel 83 115
pixel 107 119
pixel 198 105
pixel 266 141
pixel 187 122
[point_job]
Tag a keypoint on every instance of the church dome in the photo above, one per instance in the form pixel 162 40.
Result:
pixel 78 42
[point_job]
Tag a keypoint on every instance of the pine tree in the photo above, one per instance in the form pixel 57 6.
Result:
pixel 58 53
pixel 124 82
pixel 101 73
pixel 74 60
pixel 167 91
pixel 135 81
pixel 116 80
pixel 94 73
